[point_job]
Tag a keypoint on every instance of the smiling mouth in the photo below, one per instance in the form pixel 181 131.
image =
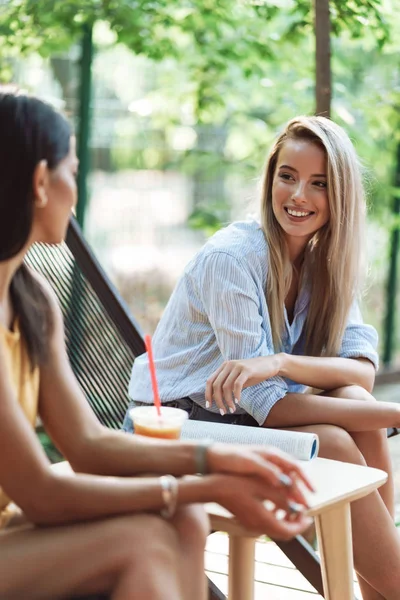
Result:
pixel 298 213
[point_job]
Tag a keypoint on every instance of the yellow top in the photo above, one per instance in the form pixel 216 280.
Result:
pixel 26 384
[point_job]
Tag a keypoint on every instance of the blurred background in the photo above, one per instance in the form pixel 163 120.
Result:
pixel 175 105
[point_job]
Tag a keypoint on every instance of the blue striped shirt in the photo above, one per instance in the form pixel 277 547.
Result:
pixel 217 312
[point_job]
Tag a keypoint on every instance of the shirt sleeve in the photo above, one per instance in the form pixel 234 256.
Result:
pixel 231 299
pixel 359 340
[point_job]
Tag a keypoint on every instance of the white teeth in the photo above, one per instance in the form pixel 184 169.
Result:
pixel 296 213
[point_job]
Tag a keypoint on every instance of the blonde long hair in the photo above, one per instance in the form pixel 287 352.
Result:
pixel 333 257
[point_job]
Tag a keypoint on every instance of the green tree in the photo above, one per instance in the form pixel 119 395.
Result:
pixel 207 37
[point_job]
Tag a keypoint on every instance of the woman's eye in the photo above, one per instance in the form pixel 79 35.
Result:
pixel 286 176
pixel 320 184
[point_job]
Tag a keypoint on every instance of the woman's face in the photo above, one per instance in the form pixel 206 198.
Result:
pixel 299 192
pixel 58 188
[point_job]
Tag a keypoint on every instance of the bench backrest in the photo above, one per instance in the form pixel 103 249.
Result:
pixel 102 337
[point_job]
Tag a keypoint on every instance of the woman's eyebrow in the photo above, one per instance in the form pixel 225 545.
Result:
pixel 287 167
pixel 295 170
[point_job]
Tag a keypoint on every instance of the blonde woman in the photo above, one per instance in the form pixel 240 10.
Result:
pixel 268 310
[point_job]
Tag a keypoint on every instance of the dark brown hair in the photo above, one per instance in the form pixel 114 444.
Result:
pixel 31 131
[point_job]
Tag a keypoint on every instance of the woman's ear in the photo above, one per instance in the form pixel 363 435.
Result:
pixel 40 184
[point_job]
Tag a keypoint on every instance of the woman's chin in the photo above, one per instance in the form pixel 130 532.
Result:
pixel 54 239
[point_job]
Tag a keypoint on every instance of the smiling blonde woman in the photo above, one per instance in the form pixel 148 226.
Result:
pixel 267 310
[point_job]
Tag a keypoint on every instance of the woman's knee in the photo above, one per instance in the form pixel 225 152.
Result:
pixel 336 443
pixel 143 535
pixel 192 525
pixel 356 392
pixel 352 392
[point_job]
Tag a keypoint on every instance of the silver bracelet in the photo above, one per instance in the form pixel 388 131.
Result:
pixel 200 457
pixel 169 492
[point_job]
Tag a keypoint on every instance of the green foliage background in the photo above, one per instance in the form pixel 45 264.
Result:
pixel 243 67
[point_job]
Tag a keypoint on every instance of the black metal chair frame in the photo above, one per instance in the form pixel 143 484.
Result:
pixel 299 551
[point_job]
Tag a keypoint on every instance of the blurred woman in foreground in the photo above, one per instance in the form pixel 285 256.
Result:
pixel 99 529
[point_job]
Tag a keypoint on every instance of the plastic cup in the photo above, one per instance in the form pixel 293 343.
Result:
pixel 168 425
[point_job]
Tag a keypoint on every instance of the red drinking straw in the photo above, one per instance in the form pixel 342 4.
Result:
pixel 157 403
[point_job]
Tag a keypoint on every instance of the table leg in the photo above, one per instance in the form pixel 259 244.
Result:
pixel 241 567
pixel 335 545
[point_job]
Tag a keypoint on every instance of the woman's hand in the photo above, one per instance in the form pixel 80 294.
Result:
pixel 260 507
pixel 226 383
pixel 270 465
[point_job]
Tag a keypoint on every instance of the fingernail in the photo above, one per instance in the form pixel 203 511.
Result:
pixel 236 401
pixel 207 404
pixel 231 410
pixel 285 480
pixel 221 410
pixel 294 507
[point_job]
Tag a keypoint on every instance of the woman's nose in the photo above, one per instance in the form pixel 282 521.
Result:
pixel 299 195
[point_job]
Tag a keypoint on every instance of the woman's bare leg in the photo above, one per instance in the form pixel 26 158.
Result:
pixel 376 541
pixel 295 410
pixel 132 557
pixel 192 525
pixel 372 444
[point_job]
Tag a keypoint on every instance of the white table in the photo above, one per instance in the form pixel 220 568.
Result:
pixel 337 485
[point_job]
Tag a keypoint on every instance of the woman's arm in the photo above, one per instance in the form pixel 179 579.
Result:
pixel 307 409
pixel 84 497
pixel 297 410
pixel 327 373
pixel 232 295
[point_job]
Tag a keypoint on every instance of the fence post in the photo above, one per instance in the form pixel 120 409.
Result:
pixel 391 288
pixel 83 148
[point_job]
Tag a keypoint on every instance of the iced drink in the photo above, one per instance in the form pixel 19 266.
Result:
pixel 168 425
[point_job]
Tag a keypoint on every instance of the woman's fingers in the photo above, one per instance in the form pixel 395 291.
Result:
pixel 286 529
pixel 267 471
pixel 267 520
pixel 242 461
pixel 238 385
pixel 253 461
pixel 235 378
pixel 263 508
pixel 222 389
pixel 285 462
pixel 225 386
pixel 289 466
pixel 287 484
pixel 209 386
pixel 229 379
pixel 294 480
pixel 281 473
pixel 217 391
pixel 283 499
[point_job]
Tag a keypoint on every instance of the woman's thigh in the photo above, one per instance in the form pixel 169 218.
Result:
pixel 350 392
pixel 334 442
pixel 81 558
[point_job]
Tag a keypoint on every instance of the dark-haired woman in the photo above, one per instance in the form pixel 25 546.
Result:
pixel 99 530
